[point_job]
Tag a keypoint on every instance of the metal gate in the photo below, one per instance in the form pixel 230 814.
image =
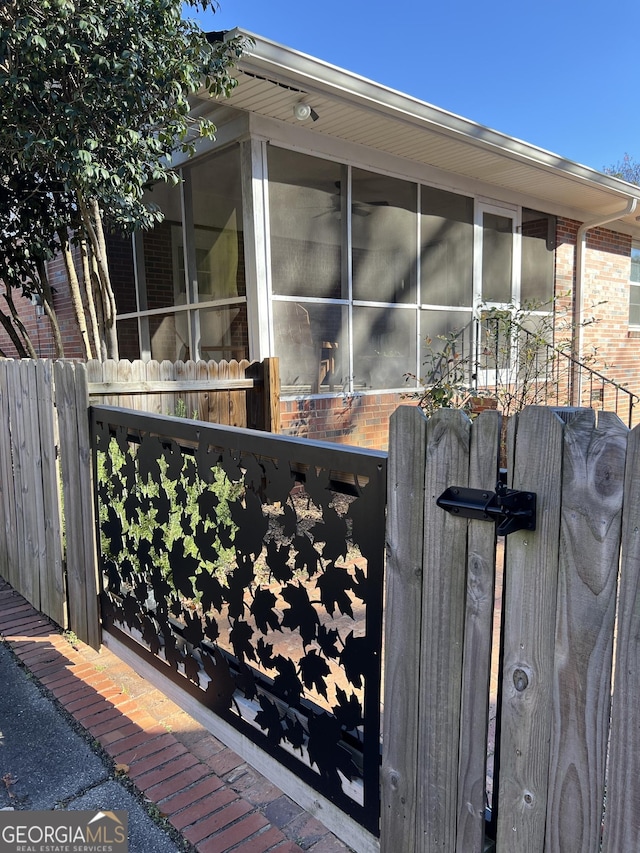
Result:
pixel 248 568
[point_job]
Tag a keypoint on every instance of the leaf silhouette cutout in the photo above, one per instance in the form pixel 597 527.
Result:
pixel 325 750
pixel 348 711
pixel 158 540
pixel 262 611
pixel 112 530
pixel 131 507
pixel 186 523
pixel 148 452
pixel 183 568
pixel 251 522
pixel 295 733
pixel 212 591
pixel 306 555
pixel 206 543
pixel 162 505
pixel 268 718
pixel 192 669
pixel 211 630
pixel 277 561
pixel 160 585
pixel 192 631
pixel 360 512
pixel 246 682
pixel 111 574
pixel 279 478
pixel 289 522
pixel 172 454
pixel 180 495
pixel 206 459
pixel 327 640
pixel 240 638
pixel 171 651
pixel 301 614
pixel 190 471
pixel 131 611
pixel 230 464
pixel 143 551
pixel 333 532
pixel 314 669
pixel 253 473
pixel 355 658
pixel 221 687
pixel 265 653
pixel 286 684
pixel 333 584
pixel 127 571
pixel 150 635
pixel 360 585
pixel 318 486
pixel 208 503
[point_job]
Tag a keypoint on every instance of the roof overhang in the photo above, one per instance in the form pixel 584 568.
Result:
pixel 273 78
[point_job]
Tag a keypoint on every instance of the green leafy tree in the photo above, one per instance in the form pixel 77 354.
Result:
pixel 94 104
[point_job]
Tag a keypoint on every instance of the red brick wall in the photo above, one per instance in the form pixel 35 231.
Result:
pixel 360 419
pixel 616 348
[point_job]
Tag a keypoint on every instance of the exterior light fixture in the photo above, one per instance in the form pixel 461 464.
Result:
pixel 303 111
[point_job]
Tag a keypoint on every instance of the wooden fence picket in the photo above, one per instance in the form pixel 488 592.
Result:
pixel 531 568
pixel 622 813
pixel 442 639
pixel 592 491
pixel 478 635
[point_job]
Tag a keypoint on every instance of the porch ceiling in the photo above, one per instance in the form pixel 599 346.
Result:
pixel 272 78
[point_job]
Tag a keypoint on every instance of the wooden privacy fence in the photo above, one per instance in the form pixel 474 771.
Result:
pixel 235 393
pixel 45 477
pixel 567 586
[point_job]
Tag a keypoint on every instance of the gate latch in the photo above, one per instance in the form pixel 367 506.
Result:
pixel 513 510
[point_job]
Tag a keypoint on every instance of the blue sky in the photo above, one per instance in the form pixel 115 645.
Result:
pixel 561 75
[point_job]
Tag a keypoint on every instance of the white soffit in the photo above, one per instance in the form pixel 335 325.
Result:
pixel 272 78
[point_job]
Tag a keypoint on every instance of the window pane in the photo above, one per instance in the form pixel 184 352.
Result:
pixel 446 270
pixel 497 257
pixel 446 340
pixel 634 305
pixel 120 252
pixel 383 227
pixel 128 340
pixel 312 345
pixel 384 346
pixel 165 342
pixel 223 333
pixel 305 208
pixel 538 257
pixel 217 220
pixel 635 264
pixel 161 275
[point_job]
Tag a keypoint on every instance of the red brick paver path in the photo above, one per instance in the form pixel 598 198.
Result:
pixel 208 793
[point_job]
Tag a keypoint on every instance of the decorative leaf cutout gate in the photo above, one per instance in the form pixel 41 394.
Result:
pixel 248 568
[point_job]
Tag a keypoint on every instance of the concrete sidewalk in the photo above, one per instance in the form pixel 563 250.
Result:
pixel 80 729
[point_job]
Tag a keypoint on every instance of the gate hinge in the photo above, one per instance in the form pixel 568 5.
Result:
pixel 514 510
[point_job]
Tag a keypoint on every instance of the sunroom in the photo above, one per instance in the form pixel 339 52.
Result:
pixel 341 236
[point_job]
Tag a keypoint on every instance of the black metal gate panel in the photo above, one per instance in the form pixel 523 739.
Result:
pixel 248 567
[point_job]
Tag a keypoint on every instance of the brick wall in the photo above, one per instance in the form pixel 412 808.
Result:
pixel 357 419
pixel 616 348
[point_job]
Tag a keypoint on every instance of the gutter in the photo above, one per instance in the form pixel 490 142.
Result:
pixel 578 302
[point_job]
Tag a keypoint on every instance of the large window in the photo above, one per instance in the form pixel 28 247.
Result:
pixel 191 297
pixel 634 287
pixel 538 257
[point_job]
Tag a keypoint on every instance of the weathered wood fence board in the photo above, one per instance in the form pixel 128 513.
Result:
pixel 622 825
pixel 531 569
pixel 242 394
pixel 478 634
pixel 556 790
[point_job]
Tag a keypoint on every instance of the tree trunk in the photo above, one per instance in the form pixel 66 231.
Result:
pixel 23 342
pixel 46 295
pixel 9 328
pixel 76 296
pixel 92 221
pixel 90 302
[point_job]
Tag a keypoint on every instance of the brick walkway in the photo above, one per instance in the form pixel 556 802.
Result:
pixel 207 792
